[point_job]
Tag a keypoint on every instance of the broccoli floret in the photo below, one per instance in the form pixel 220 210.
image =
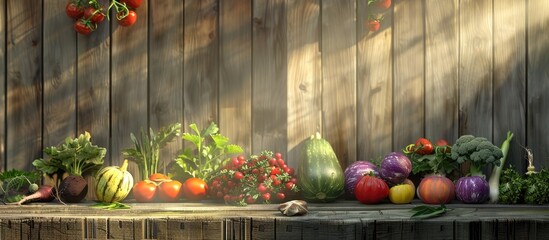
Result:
pixel 478 150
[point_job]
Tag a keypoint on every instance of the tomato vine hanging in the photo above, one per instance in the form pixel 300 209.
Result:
pixel 88 14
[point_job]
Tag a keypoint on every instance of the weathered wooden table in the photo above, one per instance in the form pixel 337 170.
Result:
pixel 340 220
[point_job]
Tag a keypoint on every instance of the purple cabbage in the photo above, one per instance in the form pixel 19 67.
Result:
pixel 395 168
pixel 473 189
pixel 355 171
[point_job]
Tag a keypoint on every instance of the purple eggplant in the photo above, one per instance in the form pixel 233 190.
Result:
pixel 473 189
pixel 355 171
pixel 395 168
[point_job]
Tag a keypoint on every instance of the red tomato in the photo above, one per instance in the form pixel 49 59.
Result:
pixel 275 171
pixel 280 196
pixel 262 188
pixel 94 15
pixel 195 189
pixel 250 199
pixel 169 191
pixel 133 3
pixel 74 11
pixel 238 175
pixel 159 177
pixel 144 191
pixel 371 190
pixel 373 25
pixel 383 4
pixel 442 142
pixel 423 146
pixel 127 20
pixel 266 196
pixel 83 27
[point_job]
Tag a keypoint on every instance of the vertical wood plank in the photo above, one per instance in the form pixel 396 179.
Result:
pixel 166 48
pixel 235 71
pixel 269 92
pixel 409 84
pixel 212 229
pixel 304 74
pixel 184 229
pixel 428 229
pixel 389 229
pixel 57 228
pixel 156 228
pixel 123 228
pixel 538 81
pixel 201 72
pixel 374 85
pixel 339 77
pixel 93 87
pixel 287 229
pixel 263 228
pixel 3 93
pixel 24 83
pixel 59 64
pixel 475 81
pixel 10 229
pixel 510 77
pixel 128 85
pixel 96 228
pixel 441 69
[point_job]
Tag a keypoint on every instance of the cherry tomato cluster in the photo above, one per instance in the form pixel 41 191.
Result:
pixel 158 188
pixel 265 178
pixel 374 22
pixel 425 147
pixel 88 14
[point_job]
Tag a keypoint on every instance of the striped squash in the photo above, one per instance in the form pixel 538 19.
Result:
pixel 113 183
pixel 321 178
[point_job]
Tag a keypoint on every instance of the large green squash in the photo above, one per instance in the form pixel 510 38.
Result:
pixel 320 176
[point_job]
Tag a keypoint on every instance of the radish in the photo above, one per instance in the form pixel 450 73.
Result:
pixel 43 194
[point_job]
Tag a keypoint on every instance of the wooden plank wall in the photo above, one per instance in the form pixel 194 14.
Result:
pixel 271 73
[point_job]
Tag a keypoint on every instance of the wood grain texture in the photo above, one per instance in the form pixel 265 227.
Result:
pixel 24 84
pixel 476 59
pixel 270 81
pixel 235 71
pixel 304 95
pixel 339 77
pixel 510 78
pixel 59 64
pixel 441 69
pixel 374 85
pixel 93 110
pixel 166 54
pixel 96 228
pixel 128 85
pixel 538 81
pixel 184 229
pixel 10 229
pixel 93 88
pixel 201 62
pixel 409 74
pixel 124 228
pixel 3 18
pixel 156 228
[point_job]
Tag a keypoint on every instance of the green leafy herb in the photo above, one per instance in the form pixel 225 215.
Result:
pixel 75 157
pixel 110 206
pixel 537 188
pixel 210 150
pixel 146 150
pixel 424 211
pixel 440 162
pixel 511 186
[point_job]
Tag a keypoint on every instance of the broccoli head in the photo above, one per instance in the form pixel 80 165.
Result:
pixel 478 150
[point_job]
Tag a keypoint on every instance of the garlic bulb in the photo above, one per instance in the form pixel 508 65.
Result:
pixel 294 208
